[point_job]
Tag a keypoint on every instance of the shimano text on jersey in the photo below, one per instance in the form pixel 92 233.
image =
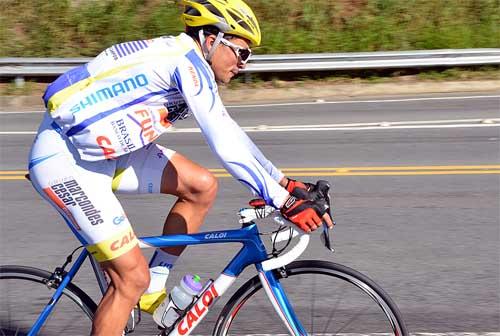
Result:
pixel 112 91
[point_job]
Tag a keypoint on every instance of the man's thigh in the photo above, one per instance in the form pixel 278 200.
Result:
pixel 141 171
pixel 156 169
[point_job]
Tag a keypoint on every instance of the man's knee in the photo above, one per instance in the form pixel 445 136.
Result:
pixel 209 185
pixel 138 278
pixel 204 189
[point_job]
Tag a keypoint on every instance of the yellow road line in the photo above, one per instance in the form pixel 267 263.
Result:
pixel 13 178
pixel 11 172
pixel 408 173
pixel 390 168
pixel 395 168
pixel 343 171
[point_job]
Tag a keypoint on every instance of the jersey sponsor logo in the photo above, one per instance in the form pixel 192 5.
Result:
pixel 199 309
pixel 71 194
pixel 123 135
pixel 123 242
pixel 119 219
pixel 106 146
pixel 111 91
pixel 61 204
pixel 194 76
pixel 145 119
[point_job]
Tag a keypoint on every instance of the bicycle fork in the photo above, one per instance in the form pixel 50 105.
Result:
pixel 280 302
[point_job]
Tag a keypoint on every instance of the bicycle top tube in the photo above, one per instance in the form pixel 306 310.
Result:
pixel 252 252
pixel 246 235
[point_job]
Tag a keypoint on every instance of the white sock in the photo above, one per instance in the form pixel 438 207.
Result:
pixel 159 268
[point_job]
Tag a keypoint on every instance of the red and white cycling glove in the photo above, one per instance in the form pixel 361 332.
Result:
pixel 305 208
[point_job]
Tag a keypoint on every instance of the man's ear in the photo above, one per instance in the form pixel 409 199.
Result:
pixel 209 41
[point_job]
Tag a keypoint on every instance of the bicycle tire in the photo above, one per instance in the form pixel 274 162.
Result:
pixel 25 294
pixel 360 284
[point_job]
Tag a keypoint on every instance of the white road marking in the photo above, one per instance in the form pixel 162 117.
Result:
pixel 321 101
pixel 363 101
pixel 387 334
pixel 19 112
pixel 381 125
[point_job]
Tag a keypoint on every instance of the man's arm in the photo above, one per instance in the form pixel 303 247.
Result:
pixel 227 140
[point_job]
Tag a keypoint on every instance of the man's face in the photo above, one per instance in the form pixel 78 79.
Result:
pixel 225 62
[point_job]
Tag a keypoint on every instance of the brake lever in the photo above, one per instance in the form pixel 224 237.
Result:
pixel 324 187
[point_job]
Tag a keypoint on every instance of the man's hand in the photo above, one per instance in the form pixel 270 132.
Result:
pixel 307 209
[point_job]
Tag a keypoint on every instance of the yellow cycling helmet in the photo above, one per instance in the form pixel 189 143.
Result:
pixel 229 16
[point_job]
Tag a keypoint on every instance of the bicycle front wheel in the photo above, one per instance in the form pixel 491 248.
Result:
pixel 25 293
pixel 328 299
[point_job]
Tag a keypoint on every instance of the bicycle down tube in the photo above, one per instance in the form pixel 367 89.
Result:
pixel 252 252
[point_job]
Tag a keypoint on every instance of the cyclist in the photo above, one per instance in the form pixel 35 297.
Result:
pixel 97 138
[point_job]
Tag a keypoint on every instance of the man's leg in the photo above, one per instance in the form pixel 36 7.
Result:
pixel 196 189
pixel 129 279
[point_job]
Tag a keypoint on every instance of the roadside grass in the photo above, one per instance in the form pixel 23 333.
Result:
pixel 70 28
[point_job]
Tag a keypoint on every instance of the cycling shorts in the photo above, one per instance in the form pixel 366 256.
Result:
pixel 83 192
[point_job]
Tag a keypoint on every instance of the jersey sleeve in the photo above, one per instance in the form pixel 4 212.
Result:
pixel 237 153
pixel 275 173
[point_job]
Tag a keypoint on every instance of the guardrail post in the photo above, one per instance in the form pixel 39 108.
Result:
pixel 19 81
pixel 248 77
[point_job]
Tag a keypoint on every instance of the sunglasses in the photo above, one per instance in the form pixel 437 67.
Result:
pixel 243 54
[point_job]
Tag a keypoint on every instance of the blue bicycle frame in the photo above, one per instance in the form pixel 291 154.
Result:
pixel 253 251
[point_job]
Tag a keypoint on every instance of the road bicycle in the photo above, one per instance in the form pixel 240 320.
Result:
pixel 305 297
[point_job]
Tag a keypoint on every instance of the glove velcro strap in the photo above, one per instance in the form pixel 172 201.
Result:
pixel 292 185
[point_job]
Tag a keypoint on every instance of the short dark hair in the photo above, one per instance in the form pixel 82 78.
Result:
pixel 207 30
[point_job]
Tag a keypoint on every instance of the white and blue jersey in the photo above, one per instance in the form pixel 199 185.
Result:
pixel 133 92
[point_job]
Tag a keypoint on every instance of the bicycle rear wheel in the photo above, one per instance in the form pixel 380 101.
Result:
pixel 328 298
pixel 25 293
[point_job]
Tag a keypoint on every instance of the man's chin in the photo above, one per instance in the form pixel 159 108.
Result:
pixel 223 80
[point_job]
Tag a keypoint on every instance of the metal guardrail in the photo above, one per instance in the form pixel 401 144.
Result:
pixel 39 67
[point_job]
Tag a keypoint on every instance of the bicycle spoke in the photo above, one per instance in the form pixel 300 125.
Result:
pixel 313 287
pixel 334 310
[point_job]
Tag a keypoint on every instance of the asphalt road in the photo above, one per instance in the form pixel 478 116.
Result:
pixel 430 240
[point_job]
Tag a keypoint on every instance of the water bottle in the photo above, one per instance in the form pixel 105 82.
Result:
pixel 180 298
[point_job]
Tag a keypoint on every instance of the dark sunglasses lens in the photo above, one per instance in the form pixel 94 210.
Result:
pixel 244 54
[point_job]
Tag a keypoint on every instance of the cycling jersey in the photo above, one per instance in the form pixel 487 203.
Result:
pixel 133 92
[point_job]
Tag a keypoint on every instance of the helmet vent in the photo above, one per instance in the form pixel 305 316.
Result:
pixel 214 11
pixel 192 11
pixel 239 20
